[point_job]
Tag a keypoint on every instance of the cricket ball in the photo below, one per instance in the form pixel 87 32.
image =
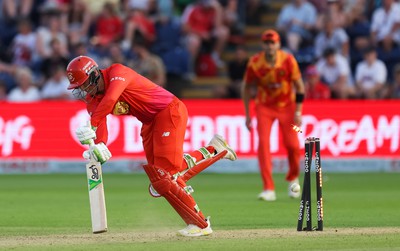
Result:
pixel 295 188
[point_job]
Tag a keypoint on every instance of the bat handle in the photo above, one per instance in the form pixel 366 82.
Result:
pixel 91 141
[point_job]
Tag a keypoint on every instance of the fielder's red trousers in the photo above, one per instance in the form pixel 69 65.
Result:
pixel 285 116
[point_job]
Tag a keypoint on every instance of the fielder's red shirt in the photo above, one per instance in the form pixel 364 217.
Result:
pixel 274 83
pixel 126 93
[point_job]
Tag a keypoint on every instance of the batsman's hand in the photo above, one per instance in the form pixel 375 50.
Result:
pixel 99 152
pixel 85 134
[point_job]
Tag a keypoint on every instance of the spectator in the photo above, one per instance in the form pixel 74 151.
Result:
pixel 13 10
pixel 181 5
pixel 231 11
pixel 95 7
pixel 84 49
pixel 7 72
pixel 147 64
pixel 385 26
pixel 58 58
pixel 236 70
pixel 297 21
pixel 331 36
pixel 202 23
pixel 370 76
pixel 358 30
pixel 108 26
pixel 55 88
pixel 254 11
pixel 25 91
pixel 24 44
pixel 49 30
pixel 76 22
pixel 176 58
pixel 335 71
pixel 335 10
pixel 138 22
pixel 3 91
pixel 354 9
pixel 320 6
pixel 393 91
pixel 115 55
pixel 314 88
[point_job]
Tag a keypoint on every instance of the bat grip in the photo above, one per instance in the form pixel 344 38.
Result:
pixel 91 142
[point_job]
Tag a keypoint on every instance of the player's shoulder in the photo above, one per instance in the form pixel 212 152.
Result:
pixel 119 72
pixel 118 66
pixel 285 54
pixel 120 69
pixel 256 57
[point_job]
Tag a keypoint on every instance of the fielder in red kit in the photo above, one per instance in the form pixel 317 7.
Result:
pixel 119 90
pixel 280 93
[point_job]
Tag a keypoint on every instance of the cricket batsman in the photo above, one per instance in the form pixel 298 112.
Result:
pixel 119 90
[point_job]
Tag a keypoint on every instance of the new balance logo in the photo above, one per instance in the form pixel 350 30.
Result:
pixel 165 134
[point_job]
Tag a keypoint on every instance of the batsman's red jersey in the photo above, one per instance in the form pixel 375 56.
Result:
pixel 127 93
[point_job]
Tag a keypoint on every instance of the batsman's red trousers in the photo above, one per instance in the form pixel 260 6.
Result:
pixel 163 138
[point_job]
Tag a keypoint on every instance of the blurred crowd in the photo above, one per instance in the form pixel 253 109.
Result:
pixel 161 39
pixel 350 46
pixel 345 48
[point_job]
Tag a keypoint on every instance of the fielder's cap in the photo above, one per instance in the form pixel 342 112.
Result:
pixel 270 35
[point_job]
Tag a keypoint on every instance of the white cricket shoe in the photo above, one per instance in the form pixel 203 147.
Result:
pixel 220 144
pixel 293 194
pixel 267 195
pixel 194 231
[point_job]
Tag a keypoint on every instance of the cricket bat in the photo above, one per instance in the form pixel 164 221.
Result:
pixel 96 195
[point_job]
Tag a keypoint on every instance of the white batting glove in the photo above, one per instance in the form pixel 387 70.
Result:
pixel 100 152
pixel 85 134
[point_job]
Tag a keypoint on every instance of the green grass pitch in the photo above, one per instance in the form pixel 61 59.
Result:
pixel 51 212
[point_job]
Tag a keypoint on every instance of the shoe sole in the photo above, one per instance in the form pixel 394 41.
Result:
pixel 260 198
pixel 205 233
pixel 225 144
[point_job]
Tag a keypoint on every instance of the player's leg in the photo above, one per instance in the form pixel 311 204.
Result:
pixel 207 155
pixel 180 199
pixel 168 136
pixel 292 145
pixel 264 124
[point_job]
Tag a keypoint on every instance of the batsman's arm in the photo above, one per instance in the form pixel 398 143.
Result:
pixel 99 151
pixel 299 87
pixel 85 134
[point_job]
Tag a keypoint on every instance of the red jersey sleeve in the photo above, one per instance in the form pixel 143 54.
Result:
pixel 101 132
pixel 126 93
pixel 119 81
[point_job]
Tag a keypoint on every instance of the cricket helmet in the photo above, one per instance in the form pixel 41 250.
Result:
pixel 79 70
